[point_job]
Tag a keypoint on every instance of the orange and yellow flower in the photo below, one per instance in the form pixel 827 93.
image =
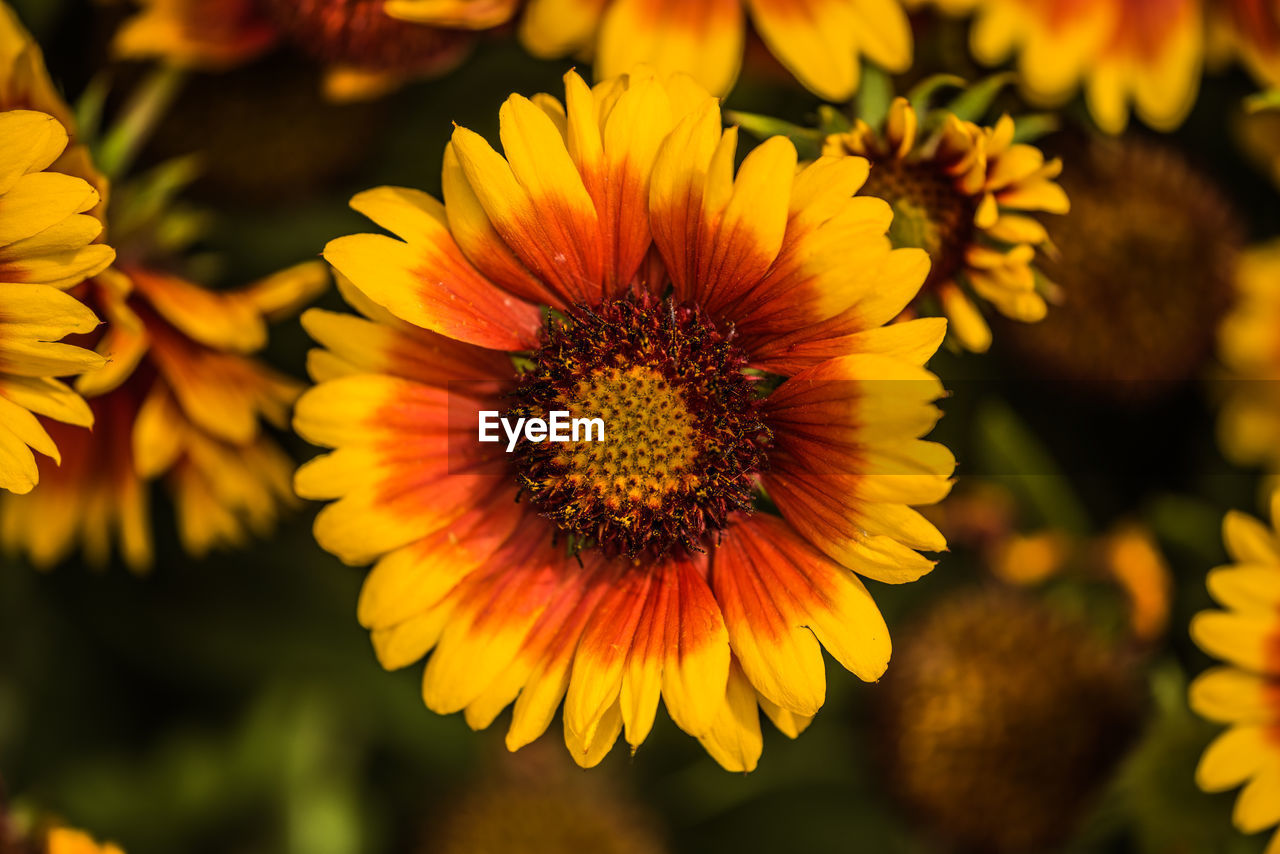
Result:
pixel 970 196
pixel 365 51
pixel 1245 692
pixel 47 246
pixel 612 265
pixel 1144 53
pixel 178 395
pixel 819 41
pixel 182 398
pixel 62 840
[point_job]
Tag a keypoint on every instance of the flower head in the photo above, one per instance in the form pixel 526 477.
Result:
pixel 1000 720
pixel 1245 692
pixel 969 196
pixel 366 52
pixel 819 42
pixel 181 399
pixel 1121 52
pixel 176 391
pixel 728 330
pixel 1145 261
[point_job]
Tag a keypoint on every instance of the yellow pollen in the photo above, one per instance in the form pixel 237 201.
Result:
pixel 650 438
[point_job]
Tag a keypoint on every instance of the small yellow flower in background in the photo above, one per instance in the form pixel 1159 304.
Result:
pixel 969 196
pixel 1120 52
pixel 178 394
pixel 182 399
pixel 1249 346
pixel 819 41
pixel 635 569
pixel 63 840
pixel 366 52
pixel 47 245
pixel 1245 692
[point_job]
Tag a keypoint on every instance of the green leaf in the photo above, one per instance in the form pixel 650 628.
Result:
pixel 972 104
pixel 90 106
pixel 923 92
pixel 143 112
pixel 1007 447
pixel 808 141
pixel 1032 127
pixel 875 94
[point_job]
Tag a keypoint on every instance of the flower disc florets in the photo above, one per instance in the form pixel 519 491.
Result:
pixel 683 438
pixel 929 212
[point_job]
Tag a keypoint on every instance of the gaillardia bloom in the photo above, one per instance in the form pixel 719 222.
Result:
pixel 1145 261
pixel 1249 346
pixel 46 247
pixel 181 398
pixel 179 395
pixel 819 41
pixel 1148 54
pixel 365 51
pixel 1246 692
pixel 612 266
pixel 969 196
pixel 994 749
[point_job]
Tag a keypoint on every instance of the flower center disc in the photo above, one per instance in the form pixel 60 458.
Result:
pixel 682 435
pixel 928 212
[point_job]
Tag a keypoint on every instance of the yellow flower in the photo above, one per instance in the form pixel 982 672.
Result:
pixel 181 399
pixel 1249 346
pixel 47 245
pixel 178 395
pixel 63 840
pixel 1121 51
pixel 819 41
pixel 969 196
pixel 613 256
pixel 1245 693
pixel 366 52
